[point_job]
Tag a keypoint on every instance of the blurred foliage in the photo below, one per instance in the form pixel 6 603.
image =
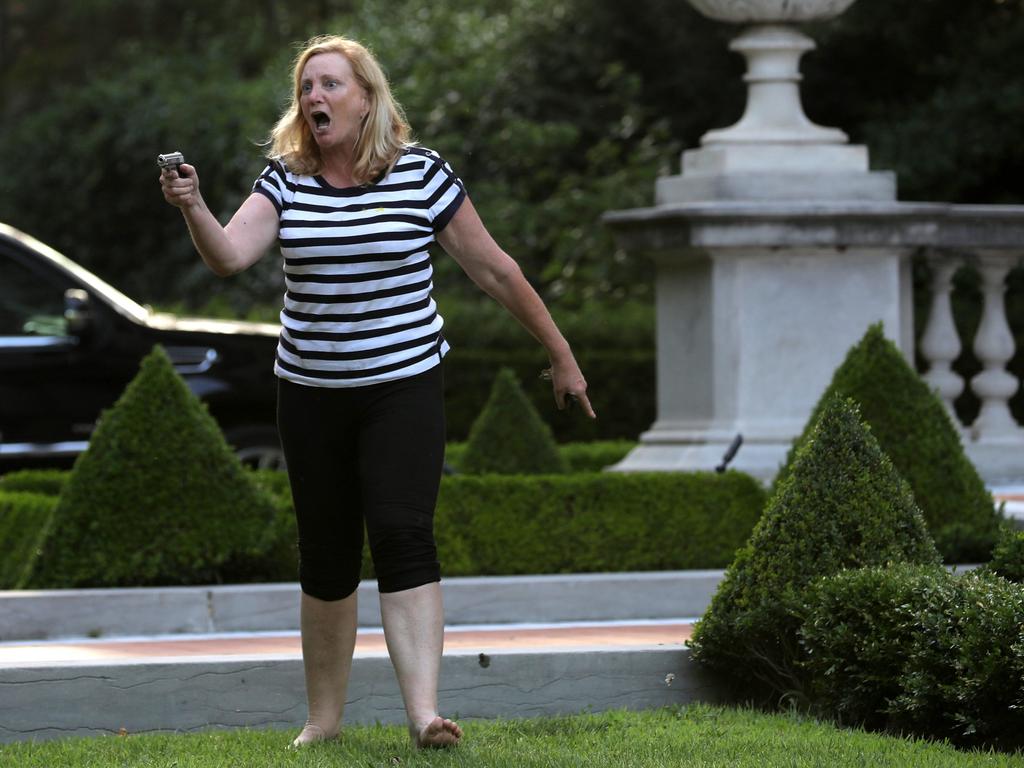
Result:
pixel 552 111
pixel 935 88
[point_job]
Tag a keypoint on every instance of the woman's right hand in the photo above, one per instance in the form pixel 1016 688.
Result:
pixel 181 188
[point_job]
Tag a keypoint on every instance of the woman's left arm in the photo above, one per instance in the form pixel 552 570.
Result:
pixel 467 240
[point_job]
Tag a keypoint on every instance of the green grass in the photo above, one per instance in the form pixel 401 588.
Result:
pixel 699 736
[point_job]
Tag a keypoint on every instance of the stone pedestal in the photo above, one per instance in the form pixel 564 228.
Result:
pixel 755 358
pixel 750 330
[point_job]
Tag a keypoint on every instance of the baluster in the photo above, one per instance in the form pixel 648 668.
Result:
pixel 940 344
pixel 994 346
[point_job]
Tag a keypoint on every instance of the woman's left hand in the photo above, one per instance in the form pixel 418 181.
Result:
pixel 569 386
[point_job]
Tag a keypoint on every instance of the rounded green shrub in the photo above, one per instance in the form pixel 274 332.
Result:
pixel 509 437
pixel 842 505
pixel 915 431
pixel 919 650
pixel 158 498
pixel 1008 557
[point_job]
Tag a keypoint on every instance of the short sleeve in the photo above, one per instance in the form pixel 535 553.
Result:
pixel 448 195
pixel 272 184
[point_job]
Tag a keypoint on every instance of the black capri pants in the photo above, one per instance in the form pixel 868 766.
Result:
pixel 370 455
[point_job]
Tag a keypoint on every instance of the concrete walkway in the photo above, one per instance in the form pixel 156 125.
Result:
pixel 558 650
pixel 96 613
pixel 369 643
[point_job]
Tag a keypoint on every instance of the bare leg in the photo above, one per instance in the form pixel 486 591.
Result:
pixel 328 640
pixel 414 631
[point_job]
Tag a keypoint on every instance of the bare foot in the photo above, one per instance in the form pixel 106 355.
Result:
pixel 310 733
pixel 438 733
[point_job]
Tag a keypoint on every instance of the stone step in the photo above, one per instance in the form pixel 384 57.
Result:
pixel 52 689
pixel 32 615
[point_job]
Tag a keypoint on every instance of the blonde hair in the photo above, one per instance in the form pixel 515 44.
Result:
pixel 385 132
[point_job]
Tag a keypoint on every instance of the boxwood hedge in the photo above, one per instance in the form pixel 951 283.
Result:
pixel 1008 557
pixel 493 524
pixel 842 505
pixel 919 650
pixel 913 428
pixel 158 498
pixel 25 523
pixel 509 437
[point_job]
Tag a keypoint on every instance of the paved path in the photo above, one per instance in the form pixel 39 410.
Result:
pixel 188 682
pixel 369 642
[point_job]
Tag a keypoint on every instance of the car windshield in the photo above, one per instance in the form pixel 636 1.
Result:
pixel 95 285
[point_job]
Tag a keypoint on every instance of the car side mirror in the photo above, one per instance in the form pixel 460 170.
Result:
pixel 78 313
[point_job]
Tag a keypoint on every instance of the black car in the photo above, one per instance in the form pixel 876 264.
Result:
pixel 70 343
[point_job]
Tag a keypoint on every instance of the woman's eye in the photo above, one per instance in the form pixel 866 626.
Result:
pixel 306 87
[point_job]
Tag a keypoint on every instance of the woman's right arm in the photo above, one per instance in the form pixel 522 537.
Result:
pixel 226 250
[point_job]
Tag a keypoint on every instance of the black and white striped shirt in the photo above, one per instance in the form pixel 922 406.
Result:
pixel 358 308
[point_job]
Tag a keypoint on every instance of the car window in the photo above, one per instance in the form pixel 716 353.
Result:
pixel 29 304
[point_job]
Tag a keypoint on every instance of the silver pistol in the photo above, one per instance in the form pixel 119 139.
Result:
pixel 172 161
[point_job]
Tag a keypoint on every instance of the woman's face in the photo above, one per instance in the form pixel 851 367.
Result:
pixel 333 102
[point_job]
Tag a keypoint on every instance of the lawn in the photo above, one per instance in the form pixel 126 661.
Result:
pixel 699 736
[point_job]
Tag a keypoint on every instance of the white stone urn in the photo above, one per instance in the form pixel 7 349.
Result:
pixel 774 152
pixel 773 49
pixel 770 11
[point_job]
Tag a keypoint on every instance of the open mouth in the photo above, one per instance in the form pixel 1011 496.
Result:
pixel 320 120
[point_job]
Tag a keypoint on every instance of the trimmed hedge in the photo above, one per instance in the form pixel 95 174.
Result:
pixel 595 456
pixel 593 522
pixel 842 505
pixel 913 428
pixel 46 481
pixel 25 522
pixel 1008 557
pixel 509 437
pixel 527 524
pixel 159 497
pixel 550 524
pixel 921 650
pixel 578 457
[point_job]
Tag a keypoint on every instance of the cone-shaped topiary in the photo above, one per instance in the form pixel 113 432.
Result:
pixel 509 437
pixel 914 429
pixel 842 505
pixel 158 498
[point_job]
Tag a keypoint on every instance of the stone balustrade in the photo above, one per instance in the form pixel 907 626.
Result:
pixel 994 430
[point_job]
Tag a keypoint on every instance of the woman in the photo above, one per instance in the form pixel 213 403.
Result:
pixel 355 205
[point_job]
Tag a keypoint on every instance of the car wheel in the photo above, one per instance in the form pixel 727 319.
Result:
pixel 257 446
